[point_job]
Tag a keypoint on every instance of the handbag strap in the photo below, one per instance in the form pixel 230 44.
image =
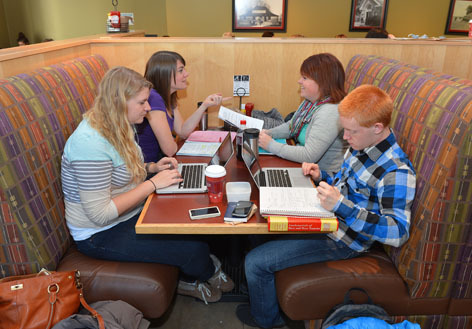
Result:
pixel 53 289
pixel 94 313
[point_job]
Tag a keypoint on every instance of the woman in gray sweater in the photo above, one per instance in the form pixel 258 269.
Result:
pixel 315 125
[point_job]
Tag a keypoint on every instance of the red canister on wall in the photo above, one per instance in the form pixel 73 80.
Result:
pixel 115 19
pixel 249 107
pixel 470 29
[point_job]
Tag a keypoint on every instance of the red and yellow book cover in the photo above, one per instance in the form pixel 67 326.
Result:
pixel 293 223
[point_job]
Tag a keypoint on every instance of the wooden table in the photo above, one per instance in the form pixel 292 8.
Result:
pixel 168 214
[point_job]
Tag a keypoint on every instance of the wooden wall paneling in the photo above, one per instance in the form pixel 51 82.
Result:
pixel 265 70
pixel 293 58
pixel 122 54
pixel 23 64
pixel 272 64
pixel 423 55
pixel 217 77
pixel 458 59
pixel 64 54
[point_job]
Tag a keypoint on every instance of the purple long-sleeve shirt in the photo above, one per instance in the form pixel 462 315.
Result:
pixel 145 136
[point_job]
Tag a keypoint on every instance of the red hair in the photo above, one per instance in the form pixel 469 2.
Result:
pixel 367 104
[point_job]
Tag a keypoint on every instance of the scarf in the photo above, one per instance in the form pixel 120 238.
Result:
pixel 304 114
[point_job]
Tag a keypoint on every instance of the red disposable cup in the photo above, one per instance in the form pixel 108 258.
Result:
pixel 249 107
pixel 215 179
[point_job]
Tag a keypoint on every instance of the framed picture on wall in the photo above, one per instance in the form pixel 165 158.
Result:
pixel 367 14
pixel 460 13
pixel 259 15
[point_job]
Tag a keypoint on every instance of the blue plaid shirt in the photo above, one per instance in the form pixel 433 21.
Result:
pixel 377 185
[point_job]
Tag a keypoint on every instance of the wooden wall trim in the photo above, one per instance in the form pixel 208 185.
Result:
pixel 272 63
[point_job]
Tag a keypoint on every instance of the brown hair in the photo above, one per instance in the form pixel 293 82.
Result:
pixel 328 72
pixel 367 104
pixel 377 32
pixel 160 69
pixel 109 116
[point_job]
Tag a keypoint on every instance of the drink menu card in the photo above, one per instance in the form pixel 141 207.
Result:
pixel 235 118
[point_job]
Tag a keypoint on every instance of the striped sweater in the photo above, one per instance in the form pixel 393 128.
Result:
pixel 92 174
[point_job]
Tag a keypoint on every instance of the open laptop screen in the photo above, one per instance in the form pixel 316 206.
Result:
pixel 224 152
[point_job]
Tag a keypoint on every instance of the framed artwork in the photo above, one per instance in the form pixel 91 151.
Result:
pixel 259 15
pixel 367 14
pixel 460 13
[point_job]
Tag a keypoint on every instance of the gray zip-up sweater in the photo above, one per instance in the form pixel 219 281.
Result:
pixel 324 142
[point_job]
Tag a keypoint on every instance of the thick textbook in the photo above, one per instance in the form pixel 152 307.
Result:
pixel 291 201
pixel 293 223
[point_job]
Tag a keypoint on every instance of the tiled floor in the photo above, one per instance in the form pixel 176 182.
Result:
pixel 189 313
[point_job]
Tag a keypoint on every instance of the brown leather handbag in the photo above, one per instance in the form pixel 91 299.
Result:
pixel 39 301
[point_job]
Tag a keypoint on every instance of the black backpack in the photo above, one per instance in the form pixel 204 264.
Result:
pixel 348 310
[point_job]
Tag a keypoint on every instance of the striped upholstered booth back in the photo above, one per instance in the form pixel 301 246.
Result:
pixel 432 122
pixel 38 112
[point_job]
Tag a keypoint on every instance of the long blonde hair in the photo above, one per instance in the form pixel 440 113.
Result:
pixel 109 116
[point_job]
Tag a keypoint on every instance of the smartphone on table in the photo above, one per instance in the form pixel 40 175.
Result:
pixel 206 212
pixel 242 209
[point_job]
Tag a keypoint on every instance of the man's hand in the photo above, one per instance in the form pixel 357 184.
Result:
pixel 328 195
pixel 311 169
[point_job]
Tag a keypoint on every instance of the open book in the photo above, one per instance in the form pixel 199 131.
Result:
pixel 292 201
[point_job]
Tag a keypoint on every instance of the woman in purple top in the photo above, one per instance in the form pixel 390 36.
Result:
pixel 166 71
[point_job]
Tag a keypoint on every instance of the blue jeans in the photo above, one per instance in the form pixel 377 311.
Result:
pixel 289 250
pixel 121 243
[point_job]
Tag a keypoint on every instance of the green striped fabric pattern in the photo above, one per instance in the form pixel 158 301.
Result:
pixel 38 112
pixel 432 121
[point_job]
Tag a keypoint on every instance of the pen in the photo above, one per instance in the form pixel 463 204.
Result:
pixel 335 181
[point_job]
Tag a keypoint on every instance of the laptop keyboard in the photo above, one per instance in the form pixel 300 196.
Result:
pixel 192 175
pixel 279 178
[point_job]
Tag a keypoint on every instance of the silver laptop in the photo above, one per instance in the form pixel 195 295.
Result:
pixel 273 177
pixel 194 173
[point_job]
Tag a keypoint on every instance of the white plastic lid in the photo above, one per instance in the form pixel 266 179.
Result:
pixel 215 171
pixel 470 21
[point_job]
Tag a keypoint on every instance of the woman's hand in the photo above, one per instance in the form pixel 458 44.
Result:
pixel 214 100
pixel 166 163
pixel 311 169
pixel 264 139
pixel 166 178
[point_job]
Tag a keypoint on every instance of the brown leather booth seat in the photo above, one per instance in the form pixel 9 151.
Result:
pixel 148 287
pixel 310 291
pixel 39 110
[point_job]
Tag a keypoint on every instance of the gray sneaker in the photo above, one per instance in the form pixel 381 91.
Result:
pixel 200 290
pixel 220 280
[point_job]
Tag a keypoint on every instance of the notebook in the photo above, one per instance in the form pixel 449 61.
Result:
pixel 273 177
pixel 291 201
pixel 265 152
pixel 194 173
